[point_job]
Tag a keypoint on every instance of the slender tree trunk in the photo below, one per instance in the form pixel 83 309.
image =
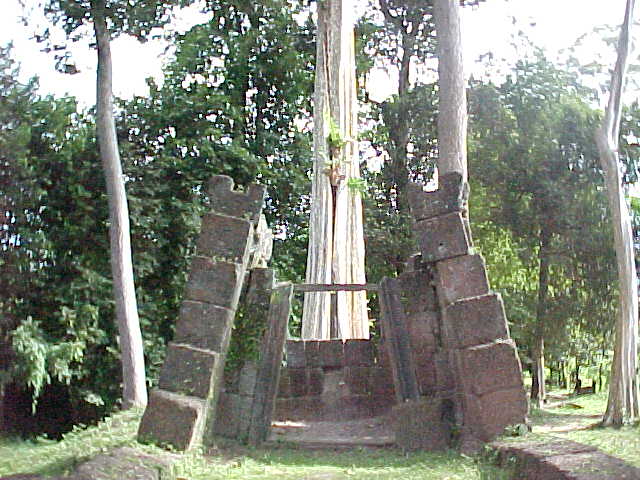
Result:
pixel 133 373
pixel 2 393
pixel 622 404
pixel 400 135
pixel 599 378
pixel 396 173
pixel 452 115
pixel 538 379
pixel 537 371
pixel 336 240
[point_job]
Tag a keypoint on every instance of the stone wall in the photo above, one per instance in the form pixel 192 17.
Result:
pixel 181 412
pixel 446 359
pixel 332 380
pixel 451 353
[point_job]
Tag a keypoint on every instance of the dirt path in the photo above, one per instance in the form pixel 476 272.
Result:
pixel 377 432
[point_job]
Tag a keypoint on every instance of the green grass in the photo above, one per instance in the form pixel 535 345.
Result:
pixel 622 442
pixel 47 457
pixel 290 463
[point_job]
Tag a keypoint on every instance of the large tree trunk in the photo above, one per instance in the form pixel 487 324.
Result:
pixel 538 378
pixel 623 390
pixel 336 242
pixel 452 115
pixel 133 374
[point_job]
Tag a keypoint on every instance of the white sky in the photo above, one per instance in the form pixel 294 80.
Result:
pixel 488 28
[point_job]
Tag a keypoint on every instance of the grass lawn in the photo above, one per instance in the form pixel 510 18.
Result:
pixel 46 457
pixel 620 442
pixel 574 420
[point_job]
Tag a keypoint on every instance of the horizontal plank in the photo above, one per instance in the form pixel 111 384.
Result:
pixel 335 287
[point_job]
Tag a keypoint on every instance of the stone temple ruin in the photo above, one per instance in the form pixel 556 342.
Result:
pixel 445 372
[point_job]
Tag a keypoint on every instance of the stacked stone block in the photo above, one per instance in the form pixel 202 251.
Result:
pixel 183 407
pixel 459 340
pixel 334 380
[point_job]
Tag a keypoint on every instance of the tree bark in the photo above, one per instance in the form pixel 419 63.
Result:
pixel 2 394
pixel 622 404
pixel 452 109
pixel 336 239
pixel 133 372
pixel 538 378
pixel 396 173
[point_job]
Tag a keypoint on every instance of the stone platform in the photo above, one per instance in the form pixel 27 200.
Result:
pixel 368 432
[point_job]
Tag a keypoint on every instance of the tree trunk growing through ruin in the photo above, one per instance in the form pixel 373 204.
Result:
pixel 336 242
pixel 133 373
pixel 622 404
pixel 452 106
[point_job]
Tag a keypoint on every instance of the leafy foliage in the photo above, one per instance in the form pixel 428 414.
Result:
pixel 234 102
pixel 534 162
pixel 137 19
pixel 54 247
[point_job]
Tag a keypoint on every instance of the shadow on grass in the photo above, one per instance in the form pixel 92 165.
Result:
pixel 291 454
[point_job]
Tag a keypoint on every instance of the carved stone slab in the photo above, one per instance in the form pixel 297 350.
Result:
pixel 268 374
pixel 394 329
pixel 224 200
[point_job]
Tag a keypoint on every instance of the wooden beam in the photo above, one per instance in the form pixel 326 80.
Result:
pixel 335 287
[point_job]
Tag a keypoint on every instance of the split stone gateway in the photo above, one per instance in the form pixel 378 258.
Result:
pixel 445 371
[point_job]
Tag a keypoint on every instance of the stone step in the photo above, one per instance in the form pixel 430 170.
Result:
pixel 374 432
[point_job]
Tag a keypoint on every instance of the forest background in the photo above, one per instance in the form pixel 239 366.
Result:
pixel 235 100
